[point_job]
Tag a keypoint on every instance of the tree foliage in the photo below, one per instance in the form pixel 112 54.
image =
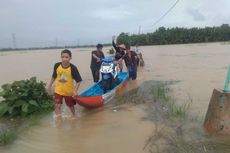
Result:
pixel 177 36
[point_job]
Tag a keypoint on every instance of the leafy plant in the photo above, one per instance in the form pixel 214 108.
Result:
pixel 24 98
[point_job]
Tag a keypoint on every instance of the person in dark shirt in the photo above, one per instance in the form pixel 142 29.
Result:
pixel 131 62
pixel 120 52
pixel 95 65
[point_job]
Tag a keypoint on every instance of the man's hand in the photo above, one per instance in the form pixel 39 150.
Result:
pixel 50 85
pixel 75 93
pixel 49 90
pixel 98 59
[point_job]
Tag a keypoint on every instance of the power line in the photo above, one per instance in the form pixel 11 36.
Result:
pixel 166 13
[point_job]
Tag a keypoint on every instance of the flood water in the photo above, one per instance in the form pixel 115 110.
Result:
pixel 198 67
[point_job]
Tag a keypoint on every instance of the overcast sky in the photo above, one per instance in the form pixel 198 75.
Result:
pixel 68 22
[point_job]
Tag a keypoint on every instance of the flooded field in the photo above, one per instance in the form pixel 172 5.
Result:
pixel 197 69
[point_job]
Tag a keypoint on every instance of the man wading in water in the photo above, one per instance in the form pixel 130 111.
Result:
pixel 97 56
pixel 131 63
pixel 64 75
pixel 120 52
pixel 140 60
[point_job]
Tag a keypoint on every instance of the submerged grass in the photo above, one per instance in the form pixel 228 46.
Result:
pixel 7 136
pixel 176 129
pixel 161 93
pixel 11 127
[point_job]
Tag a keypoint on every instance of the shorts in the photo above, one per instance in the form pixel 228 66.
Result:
pixel 68 100
pixel 133 75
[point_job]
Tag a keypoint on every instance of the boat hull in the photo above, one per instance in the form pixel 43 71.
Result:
pixel 88 100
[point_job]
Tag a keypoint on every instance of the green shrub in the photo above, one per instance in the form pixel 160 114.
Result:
pixel 24 98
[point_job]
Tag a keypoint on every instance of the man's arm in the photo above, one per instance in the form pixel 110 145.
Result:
pixel 76 87
pixel 77 77
pixel 50 85
pixel 95 56
pixel 135 55
pixel 54 76
pixel 114 44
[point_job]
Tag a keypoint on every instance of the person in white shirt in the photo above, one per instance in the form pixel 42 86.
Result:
pixel 140 60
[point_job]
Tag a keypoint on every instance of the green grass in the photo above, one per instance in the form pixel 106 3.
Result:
pixel 176 129
pixel 7 136
pixel 161 93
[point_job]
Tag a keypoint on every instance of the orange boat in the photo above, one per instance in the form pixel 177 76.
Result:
pixel 95 96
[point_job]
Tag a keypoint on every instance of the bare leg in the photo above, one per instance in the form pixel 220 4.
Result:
pixel 72 110
pixel 58 115
pixel 58 109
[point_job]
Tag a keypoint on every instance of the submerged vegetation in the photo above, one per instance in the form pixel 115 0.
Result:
pixel 160 94
pixel 176 130
pixel 7 135
pixel 178 35
pixel 22 101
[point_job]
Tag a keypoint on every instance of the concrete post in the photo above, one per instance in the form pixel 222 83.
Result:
pixel 217 120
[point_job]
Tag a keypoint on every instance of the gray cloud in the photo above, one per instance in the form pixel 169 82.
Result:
pixel 40 23
pixel 196 14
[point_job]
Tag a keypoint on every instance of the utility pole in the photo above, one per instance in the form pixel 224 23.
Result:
pixel 139 30
pixel 78 42
pixel 14 41
pixel 56 42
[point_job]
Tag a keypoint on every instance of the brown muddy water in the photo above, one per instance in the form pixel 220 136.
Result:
pixel 198 68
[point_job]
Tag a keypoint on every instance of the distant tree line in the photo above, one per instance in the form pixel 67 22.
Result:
pixel 178 36
pixel 51 47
